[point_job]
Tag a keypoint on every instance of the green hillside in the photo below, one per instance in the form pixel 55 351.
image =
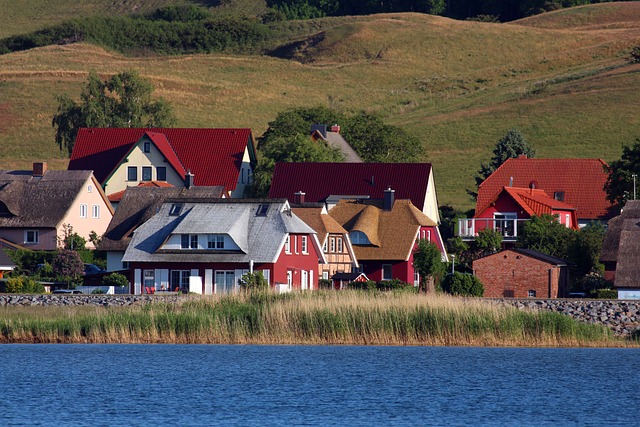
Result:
pixel 457 85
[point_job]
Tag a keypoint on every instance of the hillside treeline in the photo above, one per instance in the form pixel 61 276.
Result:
pixel 502 10
pixel 170 30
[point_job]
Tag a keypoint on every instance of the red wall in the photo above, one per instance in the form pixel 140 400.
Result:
pixel 296 261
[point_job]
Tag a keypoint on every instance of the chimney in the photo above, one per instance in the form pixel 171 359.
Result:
pixel 188 180
pixel 389 198
pixel 522 156
pixel 298 198
pixel 39 168
pixel 320 128
pixel 335 128
pixel 511 182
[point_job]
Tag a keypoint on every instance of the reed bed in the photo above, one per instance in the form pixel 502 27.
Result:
pixel 358 318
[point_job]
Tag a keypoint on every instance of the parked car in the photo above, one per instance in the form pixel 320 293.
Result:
pixel 90 269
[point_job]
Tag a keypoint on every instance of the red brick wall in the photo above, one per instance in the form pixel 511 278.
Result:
pixel 509 270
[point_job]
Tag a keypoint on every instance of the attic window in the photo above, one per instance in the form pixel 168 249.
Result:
pixel 4 211
pixel 262 210
pixel 147 147
pixel 175 209
pixel 359 238
pixel 559 195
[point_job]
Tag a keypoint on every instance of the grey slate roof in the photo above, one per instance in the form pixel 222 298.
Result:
pixel 260 238
pixel 28 201
pixel 138 204
pixel 543 257
pixel 5 261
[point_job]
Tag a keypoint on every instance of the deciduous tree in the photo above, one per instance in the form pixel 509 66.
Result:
pixel 545 234
pixel 427 261
pixel 619 185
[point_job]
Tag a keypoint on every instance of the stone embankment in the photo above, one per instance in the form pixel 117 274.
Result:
pixel 623 317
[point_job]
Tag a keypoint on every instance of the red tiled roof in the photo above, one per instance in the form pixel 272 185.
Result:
pixel 214 156
pixel 536 202
pixel 320 180
pixel 116 197
pixel 581 180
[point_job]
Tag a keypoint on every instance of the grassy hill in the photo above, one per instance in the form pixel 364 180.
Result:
pixel 459 86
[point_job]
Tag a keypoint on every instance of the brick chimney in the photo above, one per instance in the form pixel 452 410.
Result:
pixel 39 168
pixel 189 180
pixel 335 128
pixel 389 198
pixel 522 156
pixel 298 198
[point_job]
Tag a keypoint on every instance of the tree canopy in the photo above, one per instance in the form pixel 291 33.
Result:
pixel 427 261
pixel 619 185
pixel 122 101
pixel 511 145
pixel 545 234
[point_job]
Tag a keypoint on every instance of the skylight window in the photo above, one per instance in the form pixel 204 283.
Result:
pixel 262 210
pixel 175 209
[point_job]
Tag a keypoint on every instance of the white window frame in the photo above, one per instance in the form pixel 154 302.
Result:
pixel 303 245
pixel 89 188
pixel 324 246
pixel 215 241
pixel 164 168
pixel 332 245
pixel 287 244
pixel 83 210
pixel 129 170
pixel 34 233
pixel 95 211
pixel 147 169
pixel 149 278
pixel 339 247
pixel 531 293
pixel 390 267
pixel 146 147
pixel 190 245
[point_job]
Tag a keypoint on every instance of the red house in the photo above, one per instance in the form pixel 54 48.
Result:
pixel 206 246
pixel 384 235
pixel 511 207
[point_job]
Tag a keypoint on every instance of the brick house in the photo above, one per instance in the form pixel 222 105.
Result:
pixel 522 273
pixel 125 157
pixel 206 246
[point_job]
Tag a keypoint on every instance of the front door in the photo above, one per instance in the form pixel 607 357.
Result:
pixel 304 280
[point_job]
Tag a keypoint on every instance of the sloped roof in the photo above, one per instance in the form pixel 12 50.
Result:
pixel 627 266
pixel 319 220
pixel 320 180
pixel 534 201
pixel 5 262
pixel 335 140
pixel 27 201
pixel 116 197
pixel 581 180
pixel 138 204
pixel 186 149
pixel 395 230
pixel 264 234
pixel 612 240
pixel 549 259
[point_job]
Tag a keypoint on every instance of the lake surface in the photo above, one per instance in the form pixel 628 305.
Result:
pixel 122 385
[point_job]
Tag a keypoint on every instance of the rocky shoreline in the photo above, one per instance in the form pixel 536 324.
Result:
pixel 623 317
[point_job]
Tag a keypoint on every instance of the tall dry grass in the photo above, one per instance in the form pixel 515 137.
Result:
pixel 357 318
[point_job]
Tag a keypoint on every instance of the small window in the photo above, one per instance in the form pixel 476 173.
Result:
pixel 324 246
pixel 132 173
pixel 175 209
pixel 189 241
pixel 287 245
pixel 332 246
pixel 83 211
pixel 95 211
pixel 161 173
pixel 531 293
pixel 387 272
pixel 262 210
pixel 339 245
pixel 325 275
pixel 215 241
pixel 147 147
pixel 304 244
pixel 559 195
pixel 89 188
pixel 31 236
pixel 149 279
pixel 146 173
pixel 359 238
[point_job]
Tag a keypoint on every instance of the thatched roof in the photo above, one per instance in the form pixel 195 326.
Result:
pixel 28 201
pixel 138 204
pixel 391 232
pixel 622 245
pixel 316 217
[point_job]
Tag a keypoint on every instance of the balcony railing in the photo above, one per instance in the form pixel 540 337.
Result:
pixel 468 228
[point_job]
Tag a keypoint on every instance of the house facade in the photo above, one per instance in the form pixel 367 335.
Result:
pixel 384 234
pixel 511 208
pixel 333 238
pixel 137 205
pixel 38 207
pixel 522 273
pixel 206 247
pixel 126 157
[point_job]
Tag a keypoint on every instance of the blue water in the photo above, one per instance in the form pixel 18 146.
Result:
pixel 81 385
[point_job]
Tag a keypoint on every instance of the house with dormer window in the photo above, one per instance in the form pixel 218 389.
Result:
pixel 205 247
pixel 128 157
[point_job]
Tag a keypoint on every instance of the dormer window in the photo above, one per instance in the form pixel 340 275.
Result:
pixel 175 209
pixel 215 241
pixel 262 210
pixel 147 147
pixel 189 241
pixel 559 195
pixel 359 238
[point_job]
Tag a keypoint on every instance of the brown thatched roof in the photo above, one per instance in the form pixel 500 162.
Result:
pixel 28 201
pixel 316 218
pixel 611 244
pixel 393 231
pixel 622 245
pixel 138 204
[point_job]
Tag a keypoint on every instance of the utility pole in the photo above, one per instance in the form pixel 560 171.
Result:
pixel 634 185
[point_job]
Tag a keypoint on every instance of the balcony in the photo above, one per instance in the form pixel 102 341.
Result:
pixel 468 228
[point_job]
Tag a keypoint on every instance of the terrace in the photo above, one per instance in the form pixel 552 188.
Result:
pixel 468 228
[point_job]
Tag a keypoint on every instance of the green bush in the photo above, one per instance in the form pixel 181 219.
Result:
pixel 253 281
pixel 97 291
pixel 23 285
pixel 604 294
pixel 27 260
pixel 463 284
pixel 325 284
pixel 369 285
pixel 115 279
